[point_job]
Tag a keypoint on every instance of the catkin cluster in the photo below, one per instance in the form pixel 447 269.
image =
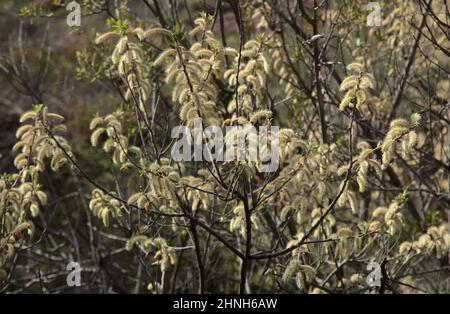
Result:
pixel 21 194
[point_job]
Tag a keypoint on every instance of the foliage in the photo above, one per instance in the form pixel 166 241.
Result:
pixel 363 152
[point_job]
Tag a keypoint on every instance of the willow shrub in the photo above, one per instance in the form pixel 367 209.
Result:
pixel 362 116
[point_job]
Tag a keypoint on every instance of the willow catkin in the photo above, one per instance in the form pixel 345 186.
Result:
pixel 22 200
pixel 356 87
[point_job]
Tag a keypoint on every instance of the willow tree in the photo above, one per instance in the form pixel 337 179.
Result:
pixel 363 166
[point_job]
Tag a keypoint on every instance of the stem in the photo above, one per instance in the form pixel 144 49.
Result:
pixel 248 245
pixel 194 235
pixel 323 125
